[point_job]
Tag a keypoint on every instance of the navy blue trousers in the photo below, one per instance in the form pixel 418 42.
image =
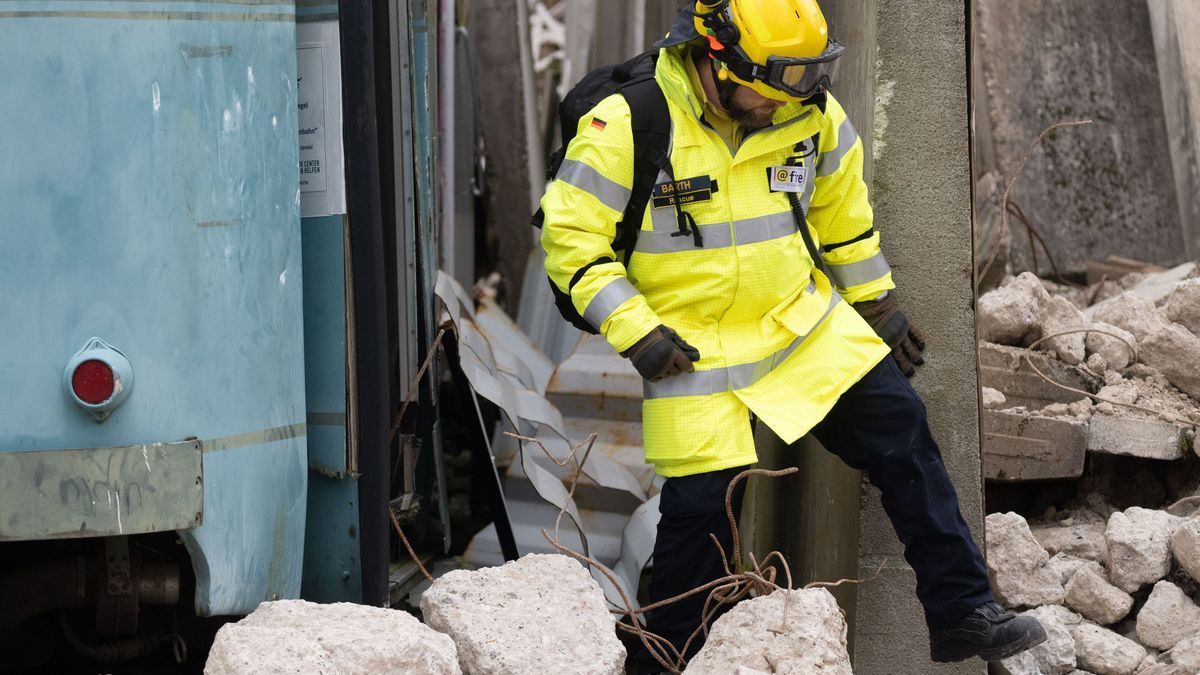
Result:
pixel 878 426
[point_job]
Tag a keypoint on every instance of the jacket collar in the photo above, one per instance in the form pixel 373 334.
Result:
pixel 672 77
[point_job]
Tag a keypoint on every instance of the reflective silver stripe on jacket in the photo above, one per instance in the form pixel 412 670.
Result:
pixel 861 272
pixel 831 161
pixel 610 193
pixel 718 235
pixel 608 300
pixel 719 380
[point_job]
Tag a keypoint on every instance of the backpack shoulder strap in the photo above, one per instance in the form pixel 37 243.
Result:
pixel 650 121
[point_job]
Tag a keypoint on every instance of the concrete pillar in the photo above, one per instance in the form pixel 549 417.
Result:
pixel 1105 189
pixel 1175 23
pixel 922 197
pixel 499 77
pixel 813 516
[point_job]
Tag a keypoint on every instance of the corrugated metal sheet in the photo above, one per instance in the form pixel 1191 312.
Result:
pixel 593 391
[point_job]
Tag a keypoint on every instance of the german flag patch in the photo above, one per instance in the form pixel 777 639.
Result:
pixel 598 124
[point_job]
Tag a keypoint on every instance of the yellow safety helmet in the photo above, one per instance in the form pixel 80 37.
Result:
pixel 779 48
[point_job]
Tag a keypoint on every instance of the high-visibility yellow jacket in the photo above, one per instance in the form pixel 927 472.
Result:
pixel 775 335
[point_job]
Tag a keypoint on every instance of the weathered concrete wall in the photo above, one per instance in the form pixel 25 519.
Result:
pixel 1095 191
pixel 922 195
pixel 1175 24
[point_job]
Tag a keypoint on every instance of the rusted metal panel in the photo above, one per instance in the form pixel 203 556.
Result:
pixel 100 492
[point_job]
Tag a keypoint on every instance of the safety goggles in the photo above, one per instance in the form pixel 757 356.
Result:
pixel 795 76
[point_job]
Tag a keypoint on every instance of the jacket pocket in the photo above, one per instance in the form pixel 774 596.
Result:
pixel 802 313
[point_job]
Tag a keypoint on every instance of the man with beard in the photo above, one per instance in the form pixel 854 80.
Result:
pixel 756 290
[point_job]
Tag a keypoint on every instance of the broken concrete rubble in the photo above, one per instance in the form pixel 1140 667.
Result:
pixel 1131 313
pixel 1150 439
pixel 1009 314
pixel 1185 546
pixel 1186 653
pixel 1003 368
pixel 1114 350
pixel 1175 352
pixel 538 614
pixel 1183 305
pixel 1059 318
pixel 1167 617
pixel 1024 447
pixel 1090 594
pixel 1104 652
pixel 1135 638
pixel 1017 564
pixel 1138 542
pixel 294 636
pixel 754 634
pixel 1065 566
pixel 992 399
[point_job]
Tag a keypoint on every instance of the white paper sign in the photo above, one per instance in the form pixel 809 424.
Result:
pixel 319 104
pixel 310 91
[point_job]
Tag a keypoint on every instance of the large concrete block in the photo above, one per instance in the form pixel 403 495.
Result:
pixel 1149 439
pixel 1023 447
pixel 1005 370
pixel 1094 191
pixel 924 217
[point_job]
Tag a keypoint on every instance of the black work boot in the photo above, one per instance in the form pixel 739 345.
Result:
pixel 990 632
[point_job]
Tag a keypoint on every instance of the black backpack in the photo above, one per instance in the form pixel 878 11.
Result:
pixel 651 125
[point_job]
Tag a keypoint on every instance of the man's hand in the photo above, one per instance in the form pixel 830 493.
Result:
pixel 661 354
pixel 893 327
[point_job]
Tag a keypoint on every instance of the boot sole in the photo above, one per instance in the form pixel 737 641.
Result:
pixel 959 650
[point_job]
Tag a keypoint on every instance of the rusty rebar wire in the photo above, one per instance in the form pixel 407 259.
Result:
pixel 437 342
pixel 407 546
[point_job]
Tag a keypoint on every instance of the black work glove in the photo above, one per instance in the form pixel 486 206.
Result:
pixel 661 354
pixel 894 328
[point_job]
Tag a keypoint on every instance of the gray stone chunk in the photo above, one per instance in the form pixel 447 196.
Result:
pixel 1003 368
pixel 1060 318
pixel 1138 543
pixel 538 614
pixel 1185 546
pixel 1149 439
pixel 1175 352
pixel 1114 350
pixel 1064 566
pixel 1009 314
pixel 992 399
pixel 1017 564
pixel 1027 447
pixel 1167 617
pixel 754 634
pixel 1183 305
pixel 1104 652
pixel 1056 655
pixel 1082 540
pixel 1090 594
pixel 1186 653
pixel 294 636
pixel 1129 312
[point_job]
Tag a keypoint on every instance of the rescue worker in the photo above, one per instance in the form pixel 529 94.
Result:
pixel 729 318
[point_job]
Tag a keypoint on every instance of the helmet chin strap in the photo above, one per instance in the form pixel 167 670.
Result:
pixel 725 86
